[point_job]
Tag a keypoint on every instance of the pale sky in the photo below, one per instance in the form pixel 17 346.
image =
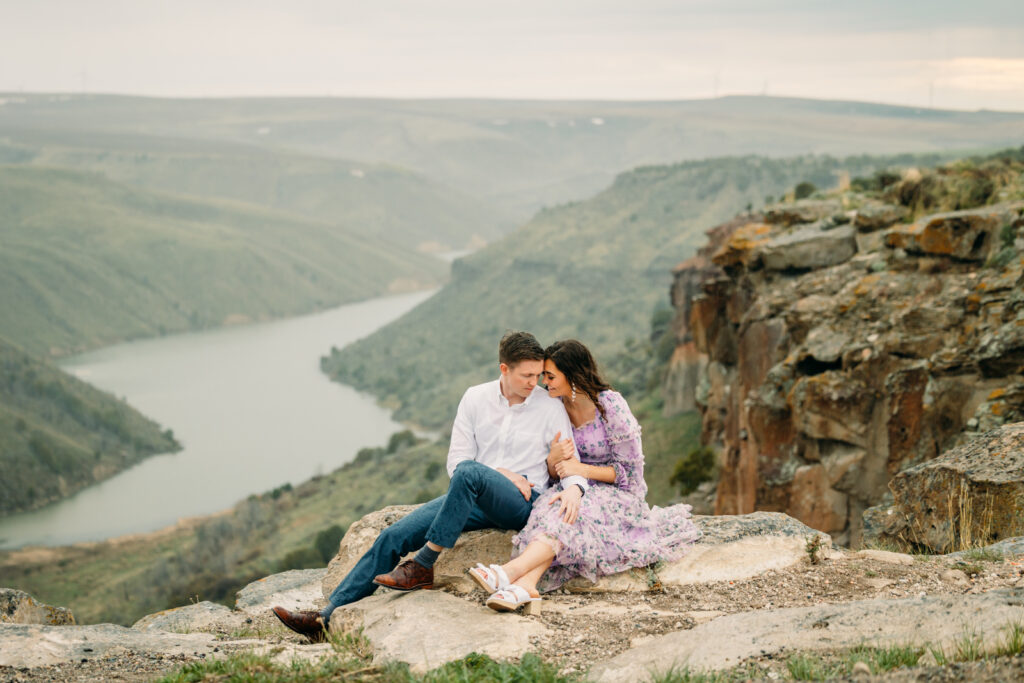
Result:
pixel 949 54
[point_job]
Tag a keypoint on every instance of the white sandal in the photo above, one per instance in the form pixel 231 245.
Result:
pixel 512 598
pixel 491 579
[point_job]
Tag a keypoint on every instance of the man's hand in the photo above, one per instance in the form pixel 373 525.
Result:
pixel 568 468
pixel 519 480
pixel 560 450
pixel 570 499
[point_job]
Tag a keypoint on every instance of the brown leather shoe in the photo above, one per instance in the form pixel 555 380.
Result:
pixel 307 622
pixel 407 576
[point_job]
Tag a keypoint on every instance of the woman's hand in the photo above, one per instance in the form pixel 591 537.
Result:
pixel 570 499
pixel 561 449
pixel 568 468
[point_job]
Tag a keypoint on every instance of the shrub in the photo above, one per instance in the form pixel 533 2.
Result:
pixel 327 542
pixel 697 467
pixel 401 440
pixel 300 558
pixel 804 190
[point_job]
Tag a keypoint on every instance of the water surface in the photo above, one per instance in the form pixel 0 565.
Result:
pixel 248 404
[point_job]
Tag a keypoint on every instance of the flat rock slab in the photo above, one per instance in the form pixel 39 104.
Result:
pixel 733 547
pixel 293 589
pixel 33 645
pixel 727 641
pixel 426 629
pixel 201 617
pixel 810 248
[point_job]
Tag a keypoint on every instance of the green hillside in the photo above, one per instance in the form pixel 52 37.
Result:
pixel 85 262
pixel 521 155
pixel 594 270
pixel 377 199
pixel 58 434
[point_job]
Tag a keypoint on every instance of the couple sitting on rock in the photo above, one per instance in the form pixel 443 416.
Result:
pixel 506 447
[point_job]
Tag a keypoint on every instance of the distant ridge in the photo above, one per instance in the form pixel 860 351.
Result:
pixel 518 156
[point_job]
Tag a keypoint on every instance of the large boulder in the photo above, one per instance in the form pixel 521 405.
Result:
pixel 809 248
pixel 971 495
pixel 294 589
pixel 450 571
pixel 968 235
pixel 802 211
pixel 18 607
pixel 875 216
pixel 426 629
pixel 939 621
pixel 731 548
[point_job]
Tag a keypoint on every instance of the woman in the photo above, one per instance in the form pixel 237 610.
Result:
pixel 608 529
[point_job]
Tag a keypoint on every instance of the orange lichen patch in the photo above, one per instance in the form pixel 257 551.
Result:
pixel 998 393
pixel 866 284
pixel 998 408
pixel 741 243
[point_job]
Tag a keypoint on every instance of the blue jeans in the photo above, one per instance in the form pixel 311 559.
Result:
pixel 478 498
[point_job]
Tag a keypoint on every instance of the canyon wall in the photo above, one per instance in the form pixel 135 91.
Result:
pixel 832 343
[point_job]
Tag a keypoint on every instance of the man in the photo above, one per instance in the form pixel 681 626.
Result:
pixel 498 466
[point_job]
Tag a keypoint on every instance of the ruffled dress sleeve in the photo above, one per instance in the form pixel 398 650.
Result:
pixel 622 432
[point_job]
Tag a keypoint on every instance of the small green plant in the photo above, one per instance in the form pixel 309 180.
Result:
pixel 870 573
pixel 969 568
pixel 813 548
pixel 983 555
pixel 968 648
pixel 1014 643
pixel 810 668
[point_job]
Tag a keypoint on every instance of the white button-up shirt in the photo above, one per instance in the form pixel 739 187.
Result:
pixel 517 437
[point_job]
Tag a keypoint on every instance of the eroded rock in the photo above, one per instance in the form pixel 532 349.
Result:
pixel 866 364
pixel 18 607
pixel 970 495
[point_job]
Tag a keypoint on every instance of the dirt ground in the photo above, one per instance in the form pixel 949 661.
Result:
pixel 587 628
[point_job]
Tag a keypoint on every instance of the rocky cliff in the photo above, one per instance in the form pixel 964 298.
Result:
pixel 833 342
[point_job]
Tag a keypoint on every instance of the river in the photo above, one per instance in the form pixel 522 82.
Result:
pixel 248 404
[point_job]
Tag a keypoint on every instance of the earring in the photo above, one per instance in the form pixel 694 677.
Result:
pixel 573 399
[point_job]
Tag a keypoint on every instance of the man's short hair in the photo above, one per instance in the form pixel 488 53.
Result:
pixel 516 347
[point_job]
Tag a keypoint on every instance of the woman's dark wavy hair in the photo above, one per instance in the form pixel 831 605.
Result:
pixel 579 367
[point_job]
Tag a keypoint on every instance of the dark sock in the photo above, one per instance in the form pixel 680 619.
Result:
pixel 325 613
pixel 426 557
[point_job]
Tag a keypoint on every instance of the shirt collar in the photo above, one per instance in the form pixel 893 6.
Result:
pixel 529 399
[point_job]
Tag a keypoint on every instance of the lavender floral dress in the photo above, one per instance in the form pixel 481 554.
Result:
pixel 616 530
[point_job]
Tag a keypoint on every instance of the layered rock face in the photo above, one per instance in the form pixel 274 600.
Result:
pixel 830 346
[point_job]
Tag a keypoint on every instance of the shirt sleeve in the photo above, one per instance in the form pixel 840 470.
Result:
pixel 563 425
pixel 623 434
pixel 463 443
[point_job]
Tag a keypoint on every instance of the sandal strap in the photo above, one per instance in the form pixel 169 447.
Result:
pixel 514 593
pixel 501 578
